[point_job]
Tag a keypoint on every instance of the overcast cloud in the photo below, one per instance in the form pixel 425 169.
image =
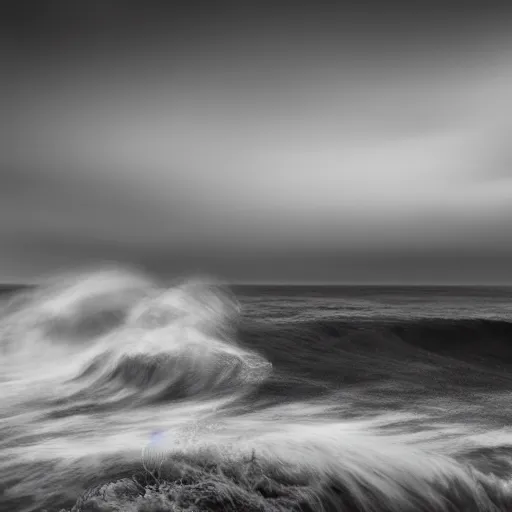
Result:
pixel 294 158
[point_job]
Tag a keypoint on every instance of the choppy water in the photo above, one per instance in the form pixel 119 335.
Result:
pixel 277 398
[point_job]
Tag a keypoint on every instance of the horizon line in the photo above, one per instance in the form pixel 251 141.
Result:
pixel 348 283
pixel 314 283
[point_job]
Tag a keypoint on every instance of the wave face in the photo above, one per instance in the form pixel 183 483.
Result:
pixel 117 389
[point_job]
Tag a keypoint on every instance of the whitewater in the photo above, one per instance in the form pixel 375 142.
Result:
pixel 120 392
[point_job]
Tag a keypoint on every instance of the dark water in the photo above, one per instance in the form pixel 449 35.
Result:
pixel 255 398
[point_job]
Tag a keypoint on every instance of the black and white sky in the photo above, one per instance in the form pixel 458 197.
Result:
pixel 362 142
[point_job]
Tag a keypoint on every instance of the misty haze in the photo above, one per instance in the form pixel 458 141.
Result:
pixel 255 258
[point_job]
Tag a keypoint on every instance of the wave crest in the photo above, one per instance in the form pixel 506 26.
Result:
pixel 115 334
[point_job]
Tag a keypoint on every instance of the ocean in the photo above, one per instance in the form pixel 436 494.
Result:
pixel 121 392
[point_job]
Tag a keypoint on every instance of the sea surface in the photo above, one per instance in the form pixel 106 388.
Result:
pixel 118 388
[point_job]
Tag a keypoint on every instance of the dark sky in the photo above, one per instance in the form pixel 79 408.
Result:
pixel 367 142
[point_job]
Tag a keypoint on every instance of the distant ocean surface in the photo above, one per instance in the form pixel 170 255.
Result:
pixel 254 398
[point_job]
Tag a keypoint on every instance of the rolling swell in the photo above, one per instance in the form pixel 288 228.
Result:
pixel 365 367
pixel 379 347
pixel 435 335
pixel 483 341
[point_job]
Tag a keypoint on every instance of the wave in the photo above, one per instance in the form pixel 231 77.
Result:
pixel 434 334
pixel 359 350
pixel 112 338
